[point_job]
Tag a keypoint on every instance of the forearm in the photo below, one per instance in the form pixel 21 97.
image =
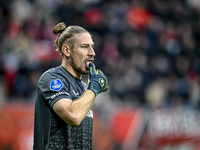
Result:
pixel 73 112
pixel 83 104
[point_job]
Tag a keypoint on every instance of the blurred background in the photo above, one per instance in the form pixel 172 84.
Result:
pixel 148 49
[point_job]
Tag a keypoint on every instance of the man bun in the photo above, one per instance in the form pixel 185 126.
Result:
pixel 59 28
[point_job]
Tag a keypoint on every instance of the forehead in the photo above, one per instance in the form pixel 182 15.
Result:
pixel 84 38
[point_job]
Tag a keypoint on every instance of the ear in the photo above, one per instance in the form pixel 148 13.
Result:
pixel 66 50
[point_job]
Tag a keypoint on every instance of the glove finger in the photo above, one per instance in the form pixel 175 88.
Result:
pixel 92 69
pixel 105 89
pixel 100 72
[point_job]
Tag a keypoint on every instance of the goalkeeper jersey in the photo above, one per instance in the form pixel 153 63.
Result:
pixel 50 131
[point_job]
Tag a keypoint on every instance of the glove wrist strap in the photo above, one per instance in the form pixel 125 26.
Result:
pixel 93 86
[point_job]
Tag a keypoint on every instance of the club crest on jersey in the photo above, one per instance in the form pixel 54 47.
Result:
pixel 56 85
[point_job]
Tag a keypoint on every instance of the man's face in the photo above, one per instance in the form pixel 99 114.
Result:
pixel 82 53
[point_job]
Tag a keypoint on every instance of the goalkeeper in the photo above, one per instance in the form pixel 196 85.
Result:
pixel 64 103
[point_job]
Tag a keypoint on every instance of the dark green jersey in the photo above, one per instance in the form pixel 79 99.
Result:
pixel 50 131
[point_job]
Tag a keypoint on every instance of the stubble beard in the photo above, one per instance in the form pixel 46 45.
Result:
pixel 78 68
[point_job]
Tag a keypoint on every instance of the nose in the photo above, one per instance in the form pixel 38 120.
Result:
pixel 91 52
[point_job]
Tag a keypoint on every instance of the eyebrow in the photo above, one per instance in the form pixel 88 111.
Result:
pixel 87 44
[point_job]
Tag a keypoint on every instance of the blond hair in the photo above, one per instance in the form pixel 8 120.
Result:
pixel 67 35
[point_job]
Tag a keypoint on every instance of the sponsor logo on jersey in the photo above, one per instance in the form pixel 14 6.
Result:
pixel 75 93
pixel 56 85
pixel 59 93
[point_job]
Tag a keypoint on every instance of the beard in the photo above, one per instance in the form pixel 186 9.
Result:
pixel 80 69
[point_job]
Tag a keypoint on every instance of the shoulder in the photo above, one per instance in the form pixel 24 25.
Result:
pixel 57 71
pixel 47 74
pixel 51 75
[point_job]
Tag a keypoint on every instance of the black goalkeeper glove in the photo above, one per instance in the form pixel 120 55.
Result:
pixel 97 80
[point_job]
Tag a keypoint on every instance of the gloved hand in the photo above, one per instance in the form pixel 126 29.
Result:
pixel 97 80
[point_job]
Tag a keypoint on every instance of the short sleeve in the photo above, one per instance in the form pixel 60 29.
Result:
pixel 53 88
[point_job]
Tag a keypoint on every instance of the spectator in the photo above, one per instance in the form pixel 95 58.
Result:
pixel 145 44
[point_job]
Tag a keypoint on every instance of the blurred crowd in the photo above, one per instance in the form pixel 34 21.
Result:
pixel 149 49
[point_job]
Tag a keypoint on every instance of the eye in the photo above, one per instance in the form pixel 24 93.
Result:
pixel 84 46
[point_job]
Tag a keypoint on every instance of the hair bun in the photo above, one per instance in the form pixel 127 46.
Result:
pixel 59 28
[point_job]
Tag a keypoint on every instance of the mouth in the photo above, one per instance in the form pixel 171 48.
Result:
pixel 87 63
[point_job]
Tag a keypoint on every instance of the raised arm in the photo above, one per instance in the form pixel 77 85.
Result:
pixel 73 112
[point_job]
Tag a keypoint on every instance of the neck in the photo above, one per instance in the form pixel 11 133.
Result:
pixel 70 69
